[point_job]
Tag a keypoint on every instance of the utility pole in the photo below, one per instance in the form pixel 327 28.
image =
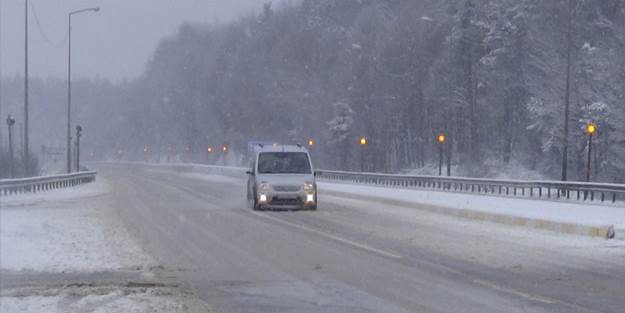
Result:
pixel 69 96
pixel 450 145
pixel 1 138
pixel 26 147
pixel 567 97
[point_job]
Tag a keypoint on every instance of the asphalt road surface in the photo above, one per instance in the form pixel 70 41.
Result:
pixel 354 256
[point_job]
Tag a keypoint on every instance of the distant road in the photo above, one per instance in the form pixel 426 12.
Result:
pixel 353 256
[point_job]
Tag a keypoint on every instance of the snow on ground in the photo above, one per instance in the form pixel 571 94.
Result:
pixel 99 300
pixel 494 168
pixel 567 212
pixel 72 231
pixel 212 178
pixel 60 231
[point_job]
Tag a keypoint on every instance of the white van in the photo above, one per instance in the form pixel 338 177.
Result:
pixel 282 177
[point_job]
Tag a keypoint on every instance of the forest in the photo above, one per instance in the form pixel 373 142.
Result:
pixel 495 76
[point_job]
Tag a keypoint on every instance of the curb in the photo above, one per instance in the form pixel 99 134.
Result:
pixel 603 231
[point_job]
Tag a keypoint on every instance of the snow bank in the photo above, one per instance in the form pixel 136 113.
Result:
pixel 565 212
pixel 59 231
pixel 100 300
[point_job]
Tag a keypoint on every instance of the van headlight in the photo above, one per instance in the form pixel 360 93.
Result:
pixel 308 186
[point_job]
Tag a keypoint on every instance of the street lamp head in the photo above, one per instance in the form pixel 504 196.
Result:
pixel 363 141
pixel 210 149
pixel 591 128
pixel 441 138
pixel 311 142
pixel 78 128
pixel 10 120
pixel 224 148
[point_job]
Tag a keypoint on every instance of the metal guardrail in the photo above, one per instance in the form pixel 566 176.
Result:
pixel 533 189
pixel 43 183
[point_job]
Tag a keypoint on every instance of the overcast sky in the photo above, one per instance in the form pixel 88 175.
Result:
pixel 114 43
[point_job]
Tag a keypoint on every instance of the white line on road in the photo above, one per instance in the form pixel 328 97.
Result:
pixel 329 236
pixel 514 292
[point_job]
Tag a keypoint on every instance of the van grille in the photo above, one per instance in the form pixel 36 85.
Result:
pixel 279 201
pixel 286 188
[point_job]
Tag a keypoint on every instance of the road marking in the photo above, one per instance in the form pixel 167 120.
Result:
pixel 329 236
pixel 514 292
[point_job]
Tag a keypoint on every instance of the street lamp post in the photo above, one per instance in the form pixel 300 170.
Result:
pixel 450 146
pixel 146 154
pixel 441 139
pixel 311 145
pixel 78 135
pixel 591 128
pixel 363 144
pixel 26 125
pixel 208 154
pixel 10 123
pixel 69 84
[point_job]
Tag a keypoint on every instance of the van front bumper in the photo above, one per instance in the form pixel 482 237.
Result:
pixel 287 199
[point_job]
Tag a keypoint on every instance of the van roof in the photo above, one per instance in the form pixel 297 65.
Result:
pixel 282 148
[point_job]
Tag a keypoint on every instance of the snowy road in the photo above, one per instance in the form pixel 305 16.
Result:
pixel 353 256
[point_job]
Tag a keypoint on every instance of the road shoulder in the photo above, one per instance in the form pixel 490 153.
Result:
pixel 63 251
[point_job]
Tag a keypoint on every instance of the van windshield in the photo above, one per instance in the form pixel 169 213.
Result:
pixel 283 163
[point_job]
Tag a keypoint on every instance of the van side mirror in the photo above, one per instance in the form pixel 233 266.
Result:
pixel 251 173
